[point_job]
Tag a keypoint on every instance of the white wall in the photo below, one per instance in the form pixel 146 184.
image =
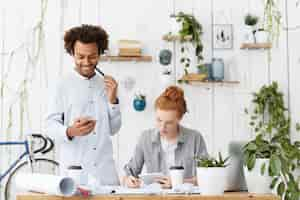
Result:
pixel 217 111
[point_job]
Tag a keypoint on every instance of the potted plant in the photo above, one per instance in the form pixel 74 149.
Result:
pixel 271 22
pixel 211 175
pixel 271 156
pixel 192 29
pixel 202 69
pixel 139 102
pixel 250 22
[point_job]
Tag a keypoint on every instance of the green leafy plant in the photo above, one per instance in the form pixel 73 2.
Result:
pixel 212 162
pixel 272 19
pixel 250 19
pixel 271 122
pixel 202 68
pixel 191 29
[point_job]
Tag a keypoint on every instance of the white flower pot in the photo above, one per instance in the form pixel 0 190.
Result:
pixel 211 180
pixel 257 183
pixel 248 34
pixel 175 26
pixel 261 36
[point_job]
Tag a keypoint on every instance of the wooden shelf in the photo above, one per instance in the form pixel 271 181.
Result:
pixel 171 38
pixel 198 79
pixel 193 82
pixel 256 46
pixel 126 58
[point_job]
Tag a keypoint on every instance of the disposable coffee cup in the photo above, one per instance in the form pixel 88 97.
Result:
pixel 75 172
pixel 176 173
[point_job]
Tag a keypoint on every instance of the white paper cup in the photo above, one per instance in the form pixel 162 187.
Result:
pixel 176 173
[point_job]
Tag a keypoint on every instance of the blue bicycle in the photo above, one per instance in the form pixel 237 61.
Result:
pixel 27 162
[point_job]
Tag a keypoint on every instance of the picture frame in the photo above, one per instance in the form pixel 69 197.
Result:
pixel 223 36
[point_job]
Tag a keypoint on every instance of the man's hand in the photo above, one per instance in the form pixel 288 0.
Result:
pixel 81 126
pixel 111 87
pixel 165 182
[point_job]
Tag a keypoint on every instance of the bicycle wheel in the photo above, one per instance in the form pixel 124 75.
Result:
pixel 41 165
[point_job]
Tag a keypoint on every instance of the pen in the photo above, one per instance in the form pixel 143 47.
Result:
pixel 131 171
pixel 99 71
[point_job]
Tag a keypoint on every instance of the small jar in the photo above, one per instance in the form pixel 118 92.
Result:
pixel 218 69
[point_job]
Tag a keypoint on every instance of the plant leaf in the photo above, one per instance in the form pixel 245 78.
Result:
pixel 251 162
pixel 273 183
pixel 280 189
pixel 275 165
pixel 263 169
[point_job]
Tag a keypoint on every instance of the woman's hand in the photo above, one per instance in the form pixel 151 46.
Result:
pixel 192 180
pixel 165 182
pixel 132 182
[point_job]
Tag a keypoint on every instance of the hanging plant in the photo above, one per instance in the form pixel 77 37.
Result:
pixel 190 32
pixel 272 20
pixel 139 102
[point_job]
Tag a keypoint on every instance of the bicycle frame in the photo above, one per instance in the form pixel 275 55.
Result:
pixel 11 167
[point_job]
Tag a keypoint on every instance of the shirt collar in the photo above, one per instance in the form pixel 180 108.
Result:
pixel 180 139
pixel 83 77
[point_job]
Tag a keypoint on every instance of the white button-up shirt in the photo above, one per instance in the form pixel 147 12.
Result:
pixel 169 152
pixel 76 96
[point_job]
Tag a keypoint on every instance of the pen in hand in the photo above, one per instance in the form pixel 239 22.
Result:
pixel 131 172
pixel 133 179
pixel 99 71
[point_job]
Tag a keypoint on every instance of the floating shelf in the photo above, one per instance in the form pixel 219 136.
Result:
pixel 192 79
pixel 171 38
pixel 193 82
pixel 256 46
pixel 126 58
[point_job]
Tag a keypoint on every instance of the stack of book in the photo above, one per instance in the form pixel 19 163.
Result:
pixel 131 48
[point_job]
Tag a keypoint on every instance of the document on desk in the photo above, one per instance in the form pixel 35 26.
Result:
pixel 124 190
pixel 137 191
pixel 151 189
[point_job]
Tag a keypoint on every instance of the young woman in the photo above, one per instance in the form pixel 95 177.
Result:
pixel 169 144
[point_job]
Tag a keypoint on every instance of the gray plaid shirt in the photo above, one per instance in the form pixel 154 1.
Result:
pixel 148 151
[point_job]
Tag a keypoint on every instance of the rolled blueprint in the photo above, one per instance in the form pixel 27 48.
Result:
pixel 46 183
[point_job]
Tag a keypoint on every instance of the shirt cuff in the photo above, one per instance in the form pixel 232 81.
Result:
pixel 64 133
pixel 114 109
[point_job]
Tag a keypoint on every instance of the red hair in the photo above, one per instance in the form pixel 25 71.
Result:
pixel 172 99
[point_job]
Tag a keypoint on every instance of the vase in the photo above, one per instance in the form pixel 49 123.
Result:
pixel 218 69
pixel 261 37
